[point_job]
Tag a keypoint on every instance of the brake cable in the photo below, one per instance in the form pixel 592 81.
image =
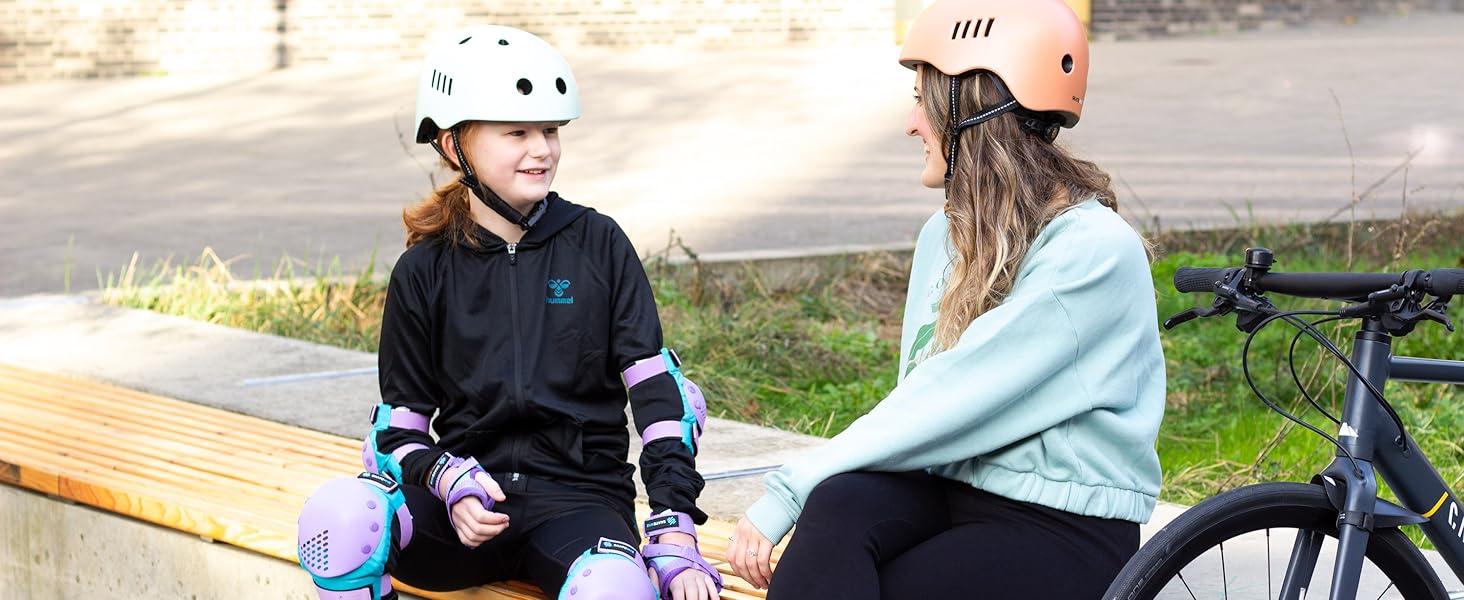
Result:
pixel 1296 378
pixel 1402 440
pixel 1245 368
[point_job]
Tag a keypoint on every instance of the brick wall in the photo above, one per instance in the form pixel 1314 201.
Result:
pixel 49 39
pixel 1124 19
pixel 372 29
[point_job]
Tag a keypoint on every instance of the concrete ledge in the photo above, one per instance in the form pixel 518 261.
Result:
pixel 56 549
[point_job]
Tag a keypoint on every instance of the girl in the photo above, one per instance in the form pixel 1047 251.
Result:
pixel 1015 458
pixel 519 320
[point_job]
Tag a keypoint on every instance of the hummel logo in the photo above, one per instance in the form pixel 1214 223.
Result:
pixel 558 286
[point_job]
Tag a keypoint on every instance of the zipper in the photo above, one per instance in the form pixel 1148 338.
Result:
pixel 518 400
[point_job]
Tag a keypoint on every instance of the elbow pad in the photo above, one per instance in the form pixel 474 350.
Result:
pixel 389 464
pixel 694 407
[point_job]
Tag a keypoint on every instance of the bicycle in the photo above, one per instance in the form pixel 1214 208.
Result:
pixel 1340 504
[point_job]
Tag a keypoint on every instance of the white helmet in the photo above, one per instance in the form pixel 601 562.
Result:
pixel 493 73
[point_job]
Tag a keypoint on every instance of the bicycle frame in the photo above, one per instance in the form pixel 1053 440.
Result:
pixel 1371 437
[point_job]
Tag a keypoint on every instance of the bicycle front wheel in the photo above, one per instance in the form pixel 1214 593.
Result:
pixel 1238 545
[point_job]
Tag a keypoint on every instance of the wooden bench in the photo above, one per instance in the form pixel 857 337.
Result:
pixel 220 475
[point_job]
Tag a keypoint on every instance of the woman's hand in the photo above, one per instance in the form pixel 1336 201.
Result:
pixel 751 554
pixel 475 524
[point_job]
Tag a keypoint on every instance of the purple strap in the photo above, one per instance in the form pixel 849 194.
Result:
pixel 644 369
pixel 669 522
pixel 459 473
pixel 406 419
pixel 401 453
pixel 669 560
pixel 660 430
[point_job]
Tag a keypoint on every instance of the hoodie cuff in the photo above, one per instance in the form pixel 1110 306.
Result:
pixel 771 517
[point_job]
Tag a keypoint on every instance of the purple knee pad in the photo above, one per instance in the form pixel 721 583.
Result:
pixel 669 560
pixel 611 570
pixel 345 537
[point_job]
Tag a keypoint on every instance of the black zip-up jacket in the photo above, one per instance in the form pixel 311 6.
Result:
pixel 518 348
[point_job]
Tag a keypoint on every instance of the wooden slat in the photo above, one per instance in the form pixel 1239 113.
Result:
pixel 165 413
pixel 165 456
pixel 213 473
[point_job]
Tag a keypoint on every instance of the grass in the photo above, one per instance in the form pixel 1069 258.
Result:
pixel 814 356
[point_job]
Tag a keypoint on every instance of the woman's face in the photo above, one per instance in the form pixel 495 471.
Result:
pixel 933 176
pixel 515 160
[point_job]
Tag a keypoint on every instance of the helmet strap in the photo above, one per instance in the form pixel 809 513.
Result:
pixel 490 199
pixel 957 125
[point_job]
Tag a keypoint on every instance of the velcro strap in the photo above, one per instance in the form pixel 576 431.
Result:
pixel 669 560
pixel 668 523
pixel 647 368
pixel 406 419
pixel 399 417
pixel 401 453
pixel 385 483
pixel 660 430
pixel 609 546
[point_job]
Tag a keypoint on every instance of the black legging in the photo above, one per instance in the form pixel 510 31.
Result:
pixel 550 525
pixel 913 535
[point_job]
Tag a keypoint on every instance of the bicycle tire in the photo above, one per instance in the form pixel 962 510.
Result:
pixel 1253 508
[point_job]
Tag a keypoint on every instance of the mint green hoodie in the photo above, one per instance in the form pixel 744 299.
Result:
pixel 1053 397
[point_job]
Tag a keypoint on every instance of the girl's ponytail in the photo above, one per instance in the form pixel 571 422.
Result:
pixel 443 212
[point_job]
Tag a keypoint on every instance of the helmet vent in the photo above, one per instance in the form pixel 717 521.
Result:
pixel 559 84
pixel 441 82
pixel 963 29
pixel 525 87
pixel 465 40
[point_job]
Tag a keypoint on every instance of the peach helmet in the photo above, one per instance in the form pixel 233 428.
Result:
pixel 1037 50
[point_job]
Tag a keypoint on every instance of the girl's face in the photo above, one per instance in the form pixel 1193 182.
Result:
pixel 933 176
pixel 515 160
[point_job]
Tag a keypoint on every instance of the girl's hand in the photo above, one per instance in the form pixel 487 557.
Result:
pixel 750 554
pixel 690 584
pixel 473 523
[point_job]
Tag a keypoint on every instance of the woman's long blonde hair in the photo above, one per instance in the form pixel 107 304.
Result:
pixel 1007 185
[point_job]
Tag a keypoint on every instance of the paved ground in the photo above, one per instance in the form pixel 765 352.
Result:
pixel 758 150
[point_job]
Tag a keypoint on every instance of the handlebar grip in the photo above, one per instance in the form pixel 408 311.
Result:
pixel 1199 279
pixel 1445 282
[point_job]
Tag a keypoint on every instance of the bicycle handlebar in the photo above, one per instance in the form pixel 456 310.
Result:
pixel 1338 286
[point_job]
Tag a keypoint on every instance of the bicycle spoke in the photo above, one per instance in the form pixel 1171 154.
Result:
pixel 1268 564
pixel 1385 591
pixel 1187 587
pixel 1224 579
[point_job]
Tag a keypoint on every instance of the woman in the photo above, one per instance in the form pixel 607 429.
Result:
pixel 1015 457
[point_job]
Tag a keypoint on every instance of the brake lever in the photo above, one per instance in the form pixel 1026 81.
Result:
pixel 1435 312
pixel 1220 307
pixel 1439 317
